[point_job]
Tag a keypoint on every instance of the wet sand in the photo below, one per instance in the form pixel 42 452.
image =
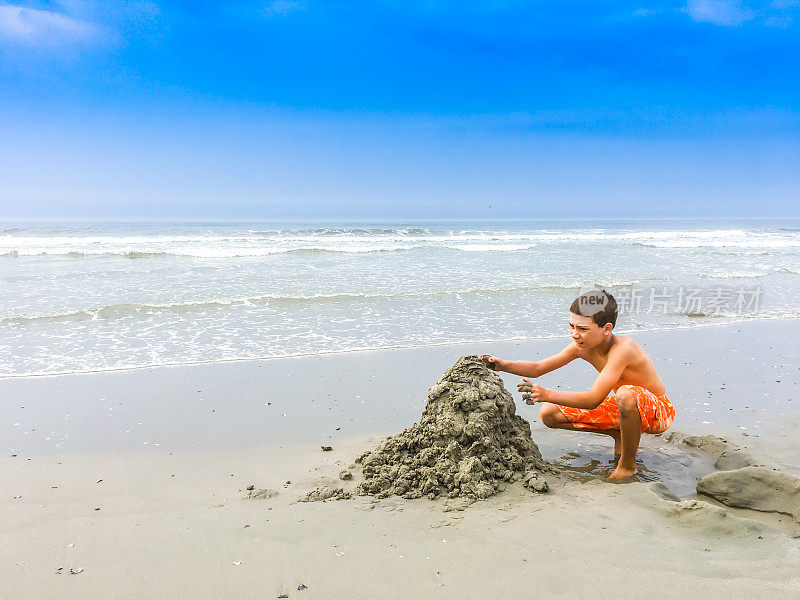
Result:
pixel 175 448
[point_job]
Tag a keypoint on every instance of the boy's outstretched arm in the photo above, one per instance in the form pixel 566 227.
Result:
pixel 531 368
pixel 608 377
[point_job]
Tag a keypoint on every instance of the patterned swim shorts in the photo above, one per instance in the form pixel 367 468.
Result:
pixel 657 412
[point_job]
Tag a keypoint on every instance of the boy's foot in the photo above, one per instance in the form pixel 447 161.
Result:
pixel 622 475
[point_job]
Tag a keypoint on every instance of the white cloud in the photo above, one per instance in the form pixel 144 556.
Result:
pixel 33 26
pixel 719 12
pixel 731 13
pixel 283 7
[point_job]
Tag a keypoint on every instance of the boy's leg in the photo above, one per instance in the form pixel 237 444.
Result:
pixel 630 427
pixel 617 442
pixel 552 417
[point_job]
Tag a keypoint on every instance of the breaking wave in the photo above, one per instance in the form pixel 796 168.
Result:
pixel 112 311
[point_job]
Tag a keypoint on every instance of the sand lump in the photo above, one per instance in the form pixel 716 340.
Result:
pixel 756 488
pixel 728 456
pixel 467 444
pixel 263 494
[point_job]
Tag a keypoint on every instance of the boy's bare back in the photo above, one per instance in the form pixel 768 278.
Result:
pixel 639 368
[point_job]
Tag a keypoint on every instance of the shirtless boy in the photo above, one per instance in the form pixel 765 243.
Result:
pixel 639 402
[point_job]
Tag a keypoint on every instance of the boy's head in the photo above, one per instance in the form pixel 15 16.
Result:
pixel 597 304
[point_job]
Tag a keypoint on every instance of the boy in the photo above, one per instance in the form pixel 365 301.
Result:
pixel 639 403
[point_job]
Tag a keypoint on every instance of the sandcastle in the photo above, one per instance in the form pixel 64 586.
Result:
pixel 468 443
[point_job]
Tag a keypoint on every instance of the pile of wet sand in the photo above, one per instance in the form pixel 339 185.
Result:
pixel 468 443
pixel 757 488
pixel 742 481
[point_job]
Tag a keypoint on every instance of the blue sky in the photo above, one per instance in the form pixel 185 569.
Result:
pixel 399 110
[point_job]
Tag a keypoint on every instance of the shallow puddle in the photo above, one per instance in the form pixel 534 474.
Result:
pixel 656 461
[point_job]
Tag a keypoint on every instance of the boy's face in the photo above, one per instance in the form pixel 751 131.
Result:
pixel 585 332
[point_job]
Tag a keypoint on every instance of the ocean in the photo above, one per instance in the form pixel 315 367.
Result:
pixel 79 297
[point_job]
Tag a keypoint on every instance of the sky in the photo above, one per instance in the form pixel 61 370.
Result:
pixel 351 110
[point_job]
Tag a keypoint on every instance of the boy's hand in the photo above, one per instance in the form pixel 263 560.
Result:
pixel 492 362
pixel 532 392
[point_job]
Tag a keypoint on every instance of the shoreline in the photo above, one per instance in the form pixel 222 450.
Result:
pixel 636 332
pixel 740 384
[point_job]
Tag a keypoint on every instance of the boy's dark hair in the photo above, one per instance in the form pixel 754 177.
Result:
pixel 598 304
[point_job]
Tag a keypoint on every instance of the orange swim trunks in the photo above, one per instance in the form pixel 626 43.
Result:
pixel 657 412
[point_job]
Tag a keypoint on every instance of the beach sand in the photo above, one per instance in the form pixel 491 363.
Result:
pixel 166 455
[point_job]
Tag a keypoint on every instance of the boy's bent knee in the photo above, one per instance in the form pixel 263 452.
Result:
pixel 550 415
pixel 624 397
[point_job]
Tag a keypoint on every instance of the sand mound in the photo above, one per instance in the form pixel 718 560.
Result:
pixel 703 517
pixel 728 456
pixel 757 488
pixel 263 494
pixel 468 442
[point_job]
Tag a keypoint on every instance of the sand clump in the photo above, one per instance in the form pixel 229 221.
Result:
pixel 728 456
pixel 468 443
pixel 262 494
pixel 742 481
pixel 326 492
pixel 756 488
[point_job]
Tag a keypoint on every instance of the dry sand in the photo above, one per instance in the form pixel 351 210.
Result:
pixel 174 520
pixel 178 527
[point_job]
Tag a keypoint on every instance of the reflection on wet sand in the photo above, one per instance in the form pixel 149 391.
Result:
pixel 677 469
